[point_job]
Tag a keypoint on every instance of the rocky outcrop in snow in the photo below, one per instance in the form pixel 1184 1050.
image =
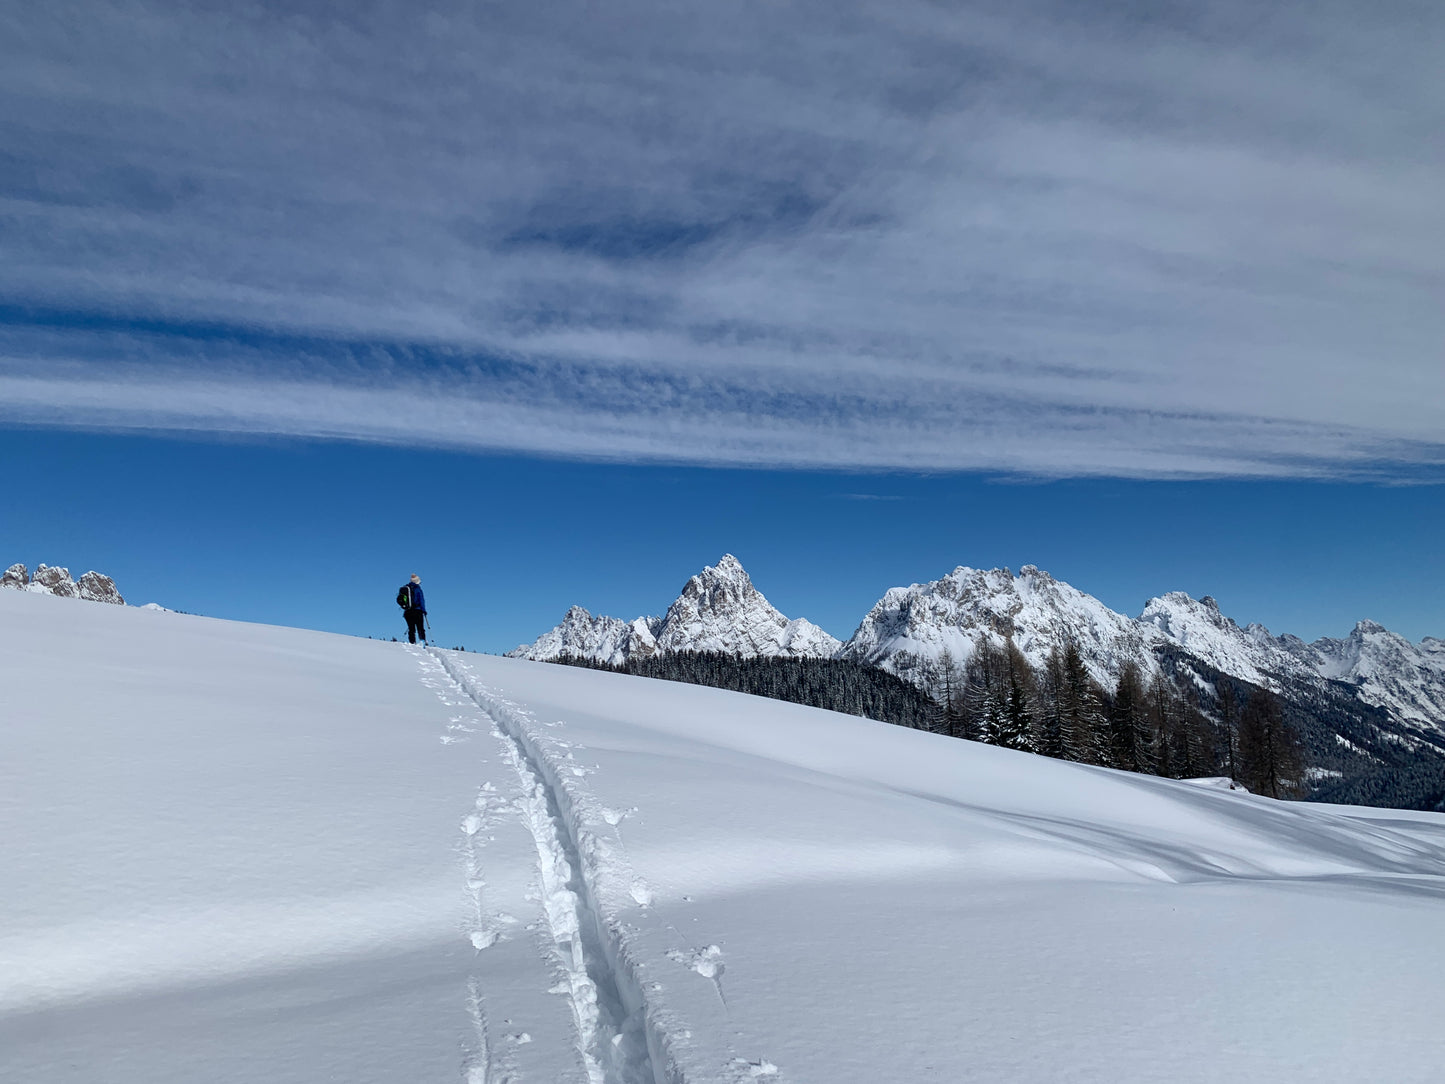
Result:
pixel 54 581
pixel 92 587
pixel 719 609
pixel 95 587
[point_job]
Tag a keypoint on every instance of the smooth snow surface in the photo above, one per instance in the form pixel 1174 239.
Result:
pixel 241 853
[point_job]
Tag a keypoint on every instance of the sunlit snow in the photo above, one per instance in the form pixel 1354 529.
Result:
pixel 243 853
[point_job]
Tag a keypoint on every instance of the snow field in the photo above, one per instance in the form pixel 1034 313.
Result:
pixel 241 853
pixel 819 898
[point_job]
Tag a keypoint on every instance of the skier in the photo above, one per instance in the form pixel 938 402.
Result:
pixel 413 608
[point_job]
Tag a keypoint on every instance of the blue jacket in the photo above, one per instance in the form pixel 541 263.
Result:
pixel 418 600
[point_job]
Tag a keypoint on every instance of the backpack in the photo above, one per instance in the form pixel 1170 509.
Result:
pixel 403 597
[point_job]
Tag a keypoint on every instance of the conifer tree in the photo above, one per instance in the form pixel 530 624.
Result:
pixel 1048 716
pixel 985 692
pixel 1128 721
pixel 1164 715
pixel 950 716
pixel 1081 718
pixel 1269 751
pixel 1195 746
pixel 1228 702
pixel 1014 729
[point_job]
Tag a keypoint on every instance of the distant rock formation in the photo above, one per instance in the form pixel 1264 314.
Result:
pixel 92 587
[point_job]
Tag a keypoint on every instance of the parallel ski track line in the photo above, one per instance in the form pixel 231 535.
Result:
pixel 603 981
pixel 480 1063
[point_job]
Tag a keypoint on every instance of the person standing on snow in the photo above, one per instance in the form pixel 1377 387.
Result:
pixel 413 608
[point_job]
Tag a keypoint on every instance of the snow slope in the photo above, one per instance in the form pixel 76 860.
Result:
pixel 239 853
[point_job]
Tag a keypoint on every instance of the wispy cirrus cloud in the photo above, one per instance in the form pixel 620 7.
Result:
pixel 1031 239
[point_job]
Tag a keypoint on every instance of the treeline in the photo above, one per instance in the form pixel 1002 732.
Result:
pixel 1417 786
pixel 1056 710
pixel 1059 710
pixel 834 684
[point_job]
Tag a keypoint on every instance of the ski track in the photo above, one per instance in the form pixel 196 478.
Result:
pixel 621 1040
pixel 480 1061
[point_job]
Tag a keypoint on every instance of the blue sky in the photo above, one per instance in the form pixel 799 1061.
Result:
pixel 321 534
pixel 1012 264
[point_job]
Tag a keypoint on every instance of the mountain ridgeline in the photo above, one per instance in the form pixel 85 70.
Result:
pixel 1032 663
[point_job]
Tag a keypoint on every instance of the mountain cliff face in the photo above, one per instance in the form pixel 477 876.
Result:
pixel 719 609
pixel 92 587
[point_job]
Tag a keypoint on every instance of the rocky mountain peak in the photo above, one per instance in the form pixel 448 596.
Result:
pixel 722 587
pixel 1180 616
pixel 718 609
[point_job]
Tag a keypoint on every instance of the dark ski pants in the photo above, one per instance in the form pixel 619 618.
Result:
pixel 415 625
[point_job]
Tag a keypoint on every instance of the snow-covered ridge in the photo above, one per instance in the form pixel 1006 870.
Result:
pixel 914 631
pixel 719 609
pixel 1388 670
pixel 92 586
pixel 919 631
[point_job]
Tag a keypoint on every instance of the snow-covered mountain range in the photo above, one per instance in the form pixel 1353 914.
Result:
pixel 92 586
pixel 917 631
